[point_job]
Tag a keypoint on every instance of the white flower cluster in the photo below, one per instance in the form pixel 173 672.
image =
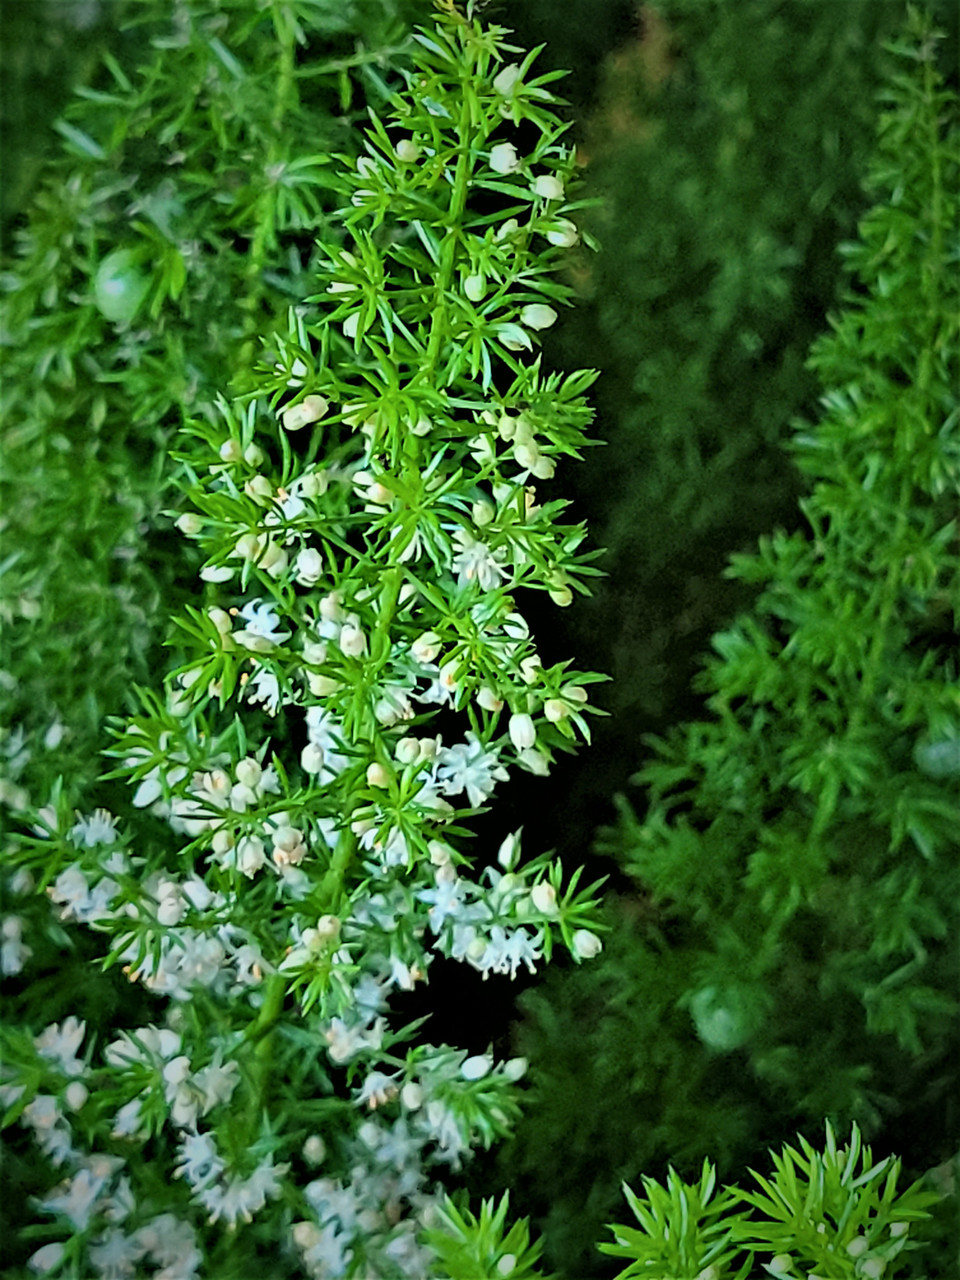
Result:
pixel 367 540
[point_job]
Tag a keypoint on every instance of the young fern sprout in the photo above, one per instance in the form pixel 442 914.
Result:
pixel 358 679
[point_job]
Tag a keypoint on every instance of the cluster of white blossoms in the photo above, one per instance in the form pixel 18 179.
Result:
pixel 358 681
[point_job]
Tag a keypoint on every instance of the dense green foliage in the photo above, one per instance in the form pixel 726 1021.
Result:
pixel 726 146
pixel 834 1214
pixel 791 949
pixel 167 240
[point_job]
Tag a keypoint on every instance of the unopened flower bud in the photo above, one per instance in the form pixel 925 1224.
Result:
pixel 488 700
pixel 537 315
pixel 483 512
pixel 328 928
pixel 504 158
pixel 563 233
pixel 377 775
pixel 221 620
pixel 555 710
pixel 309 566
pixel 314 1152
pixel 509 852
pixel 411 1095
pixel 476 1067
pixel 544 897
pixel 231 451
pixel 586 945
pixel 248 546
pixel 311 758
pixel 426 647
pixel 307 1235
pixel 75 1095
pixel 548 187
pixel 259 489
pixel 506 79
pixel 352 641
pixel 189 523
pixel 522 730
pixel 422 427
pixel 474 287
pixel 249 772
pixel 407 151
pixel 310 409
pixel 407 751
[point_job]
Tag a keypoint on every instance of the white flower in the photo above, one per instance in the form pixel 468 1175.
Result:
pixel 310 409
pixel 506 951
pixel 544 898
pixel 242 1197
pixel 475 562
pixel 504 158
pixel 77 1196
pixel 128 1120
pixel 548 187
pixel 537 315
pixel 45 1259
pixel 563 233
pixel 198 1160
pixel 14 953
pixel 446 902
pixel 477 1067
pixel 506 79
pixel 115 1255
pixel 469 767
pixel 262 631
pixel 586 945
pixel 378 1089
pixel 99 828
pixel 309 566
pixel 264 687
pixel 59 1043
pixel 522 731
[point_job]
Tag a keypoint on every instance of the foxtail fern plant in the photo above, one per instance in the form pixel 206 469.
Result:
pixel 170 236
pixel 790 952
pixel 357 678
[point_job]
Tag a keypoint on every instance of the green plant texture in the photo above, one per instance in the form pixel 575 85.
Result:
pixel 169 238
pixel 726 145
pixel 790 952
pixel 373 504
pixel 835 1214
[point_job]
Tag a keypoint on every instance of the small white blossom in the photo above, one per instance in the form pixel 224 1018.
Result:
pixel 475 562
pixel 99 828
pixel 548 187
pixel 59 1043
pixel 470 767
pixel 537 315
pixel 504 158
pixel 310 409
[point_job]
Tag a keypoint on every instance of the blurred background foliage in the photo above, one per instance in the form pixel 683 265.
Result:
pixel 726 142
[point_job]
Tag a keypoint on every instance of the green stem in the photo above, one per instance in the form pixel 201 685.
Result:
pixel 448 249
pixel 264 233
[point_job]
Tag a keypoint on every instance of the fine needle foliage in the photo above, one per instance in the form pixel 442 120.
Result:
pixel 790 953
pixel 832 1215
pixel 356 679
pixel 171 234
